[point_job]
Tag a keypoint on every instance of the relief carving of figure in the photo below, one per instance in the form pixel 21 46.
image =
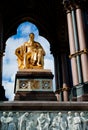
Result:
pixel 31 125
pixel 70 120
pixel 59 122
pixel 43 122
pixel 4 125
pixel 22 121
pixel 55 124
pixel 10 121
pixel 30 54
pixel 77 122
pixel 16 117
pixel 84 121
pixel 62 121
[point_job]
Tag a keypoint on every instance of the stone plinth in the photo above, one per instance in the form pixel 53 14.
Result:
pixel 34 84
pixel 27 115
pixel 80 92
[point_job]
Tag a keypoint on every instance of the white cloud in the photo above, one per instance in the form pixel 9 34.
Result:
pixel 25 29
pixel 9 87
pixel 49 64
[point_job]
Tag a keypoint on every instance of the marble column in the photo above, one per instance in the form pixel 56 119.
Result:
pixel 65 77
pixel 82 44
pixel 76 46
pixel 72 49
pixel 58 76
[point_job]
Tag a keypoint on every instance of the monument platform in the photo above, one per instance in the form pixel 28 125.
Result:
pixel 24 113
pixel 34 84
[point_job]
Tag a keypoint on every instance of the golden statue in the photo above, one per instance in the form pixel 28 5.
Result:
pixel 30 54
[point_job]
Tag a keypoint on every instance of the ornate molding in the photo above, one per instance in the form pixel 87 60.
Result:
pixel 84 51
pixel 62 89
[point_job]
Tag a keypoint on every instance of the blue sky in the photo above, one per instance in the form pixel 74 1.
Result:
pixel 10 65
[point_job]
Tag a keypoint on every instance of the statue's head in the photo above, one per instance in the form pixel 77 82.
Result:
pixel 31 35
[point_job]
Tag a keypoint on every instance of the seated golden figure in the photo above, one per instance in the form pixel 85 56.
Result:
pixel 30 54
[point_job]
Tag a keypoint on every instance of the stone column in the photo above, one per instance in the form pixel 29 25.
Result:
pixel 76 46
pixel 1 55
pixel 58 76
pixel 79 53
pixel 2 91
pixel 1 48
pixel 65 77
pixel 72 48
pixel 82 44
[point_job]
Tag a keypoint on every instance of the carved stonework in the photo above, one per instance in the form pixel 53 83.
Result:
pixel 39 120
pixel 33 84
pixel 34 80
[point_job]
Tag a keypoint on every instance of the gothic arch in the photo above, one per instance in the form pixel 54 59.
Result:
pixel 43 29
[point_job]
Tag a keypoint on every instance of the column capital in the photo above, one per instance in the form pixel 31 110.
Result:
pixel 73 4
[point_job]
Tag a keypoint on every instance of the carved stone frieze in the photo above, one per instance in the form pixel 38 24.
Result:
pixel 44 120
